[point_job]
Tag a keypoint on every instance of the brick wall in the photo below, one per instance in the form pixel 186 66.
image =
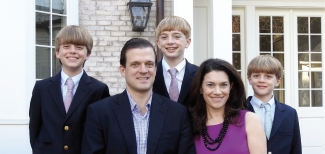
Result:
pixel 108 21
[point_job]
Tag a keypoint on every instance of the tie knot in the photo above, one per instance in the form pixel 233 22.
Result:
pixel 267 106
pixel 69 83
pixel 172 72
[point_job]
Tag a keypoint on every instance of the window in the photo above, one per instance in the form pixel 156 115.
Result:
pixel 271 36
pixel 51 16
pixel 309 61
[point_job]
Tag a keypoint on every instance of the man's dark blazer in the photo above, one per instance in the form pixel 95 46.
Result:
pixel 285 133
pixel 159 85
pixel 109 127
pixel 50 127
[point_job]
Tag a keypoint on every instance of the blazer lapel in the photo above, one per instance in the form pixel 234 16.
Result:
pixel 160 81
pixel 125 120
pixel 55 91
pixel 187 81
pixel 249 105
pixel 157 117
pixel 81 93
pixel 278 118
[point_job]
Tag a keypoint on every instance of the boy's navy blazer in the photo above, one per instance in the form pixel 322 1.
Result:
pixel 159 85
pixel 109 127
pixel 285 133
pixel 50 127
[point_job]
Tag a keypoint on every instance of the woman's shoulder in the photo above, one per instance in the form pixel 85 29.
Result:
pixel 251 117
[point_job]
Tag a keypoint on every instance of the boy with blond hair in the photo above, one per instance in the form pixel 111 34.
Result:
pixel 58 104
pixel 174 73
pixel 280 121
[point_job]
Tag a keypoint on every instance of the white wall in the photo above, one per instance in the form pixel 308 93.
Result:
pixel 17 73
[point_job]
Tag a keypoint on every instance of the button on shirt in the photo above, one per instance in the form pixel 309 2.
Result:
pixel 260 111
pixel 141 124
pixel 75 79
pixel 179 75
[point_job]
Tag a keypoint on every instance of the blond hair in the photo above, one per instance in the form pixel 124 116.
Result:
pixel 74 35
pixel 174 23
pixel 265 64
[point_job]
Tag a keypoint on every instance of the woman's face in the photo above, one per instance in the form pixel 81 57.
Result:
pixel 215 89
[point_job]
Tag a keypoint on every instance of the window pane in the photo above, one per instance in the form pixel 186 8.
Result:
pixel 316 43
pixel 303 43
pixel 59 6
pixel 235 42
pixel 278 43
pixel 316 61
pixel 236 60
pixel 304 98
pixel 43 5
pixel 280 57
pixel 316 79
pixel 58 23
pixel 265 43
pixel 315 25
pixel 42 29
pixel 265 24
pixel 303 78
pixel 56 66
pixel 277 24
pixel 279 95
pixel 317 98
pixel 303 61
pixel 302 24
pixel 235 24
pixel 43 65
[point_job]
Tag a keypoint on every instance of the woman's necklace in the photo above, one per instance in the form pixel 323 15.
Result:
pixel 209 141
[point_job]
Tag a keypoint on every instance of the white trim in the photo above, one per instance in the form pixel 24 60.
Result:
pixel 222 46
pixel 14 121
pixel 187 14
pixel 281 4
pixel 72 12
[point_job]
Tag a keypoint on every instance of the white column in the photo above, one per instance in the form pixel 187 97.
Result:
pixel 221 29
pixel 251 41
pixel 17 65
pixel 184 9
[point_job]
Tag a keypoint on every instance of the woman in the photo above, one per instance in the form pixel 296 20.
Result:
pixel 221 122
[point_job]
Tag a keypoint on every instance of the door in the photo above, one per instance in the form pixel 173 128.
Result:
pixel 296 38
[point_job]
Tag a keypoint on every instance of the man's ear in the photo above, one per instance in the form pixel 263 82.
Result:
pixel 122 70
pixel 188 42
pixel 278 80
pixel 249 80
pixel 57 54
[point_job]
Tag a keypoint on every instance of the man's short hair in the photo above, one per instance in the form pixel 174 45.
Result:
pixel 265 64
pixel 173 23
pixel 74 35
pixel 135 43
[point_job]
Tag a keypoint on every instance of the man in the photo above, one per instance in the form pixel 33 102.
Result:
pixel 174 73
pixel 137 120
pixel 58 105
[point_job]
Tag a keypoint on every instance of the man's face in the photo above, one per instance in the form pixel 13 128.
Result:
pixel 72 57
pixel 172 44
pixel 263 84
pixel 140 69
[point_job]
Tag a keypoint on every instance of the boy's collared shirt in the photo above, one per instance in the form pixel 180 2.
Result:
pixel 141 123
pixel 75 79
pixel 179 75
pixel 260 111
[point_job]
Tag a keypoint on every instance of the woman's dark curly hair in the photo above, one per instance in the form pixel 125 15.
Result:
pixel 235 102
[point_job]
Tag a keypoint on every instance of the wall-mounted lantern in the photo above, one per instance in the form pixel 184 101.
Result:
pixel 139 11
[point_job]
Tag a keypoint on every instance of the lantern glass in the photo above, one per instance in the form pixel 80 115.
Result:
pixel 139 16
pixel 139 11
